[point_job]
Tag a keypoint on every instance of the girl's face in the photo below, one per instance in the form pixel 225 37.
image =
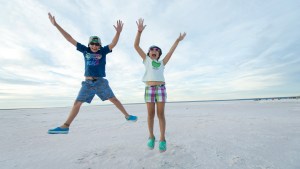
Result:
pixel 94 46
pixel 154 53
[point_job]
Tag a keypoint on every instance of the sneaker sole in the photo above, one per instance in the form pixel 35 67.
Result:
pixel 132 120
pixel 58 132
pixel 161 151
pixel 150 148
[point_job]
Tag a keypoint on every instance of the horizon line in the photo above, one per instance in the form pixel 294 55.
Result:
pixel 215 100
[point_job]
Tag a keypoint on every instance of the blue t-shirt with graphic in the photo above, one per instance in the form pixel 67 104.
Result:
pixel 94 61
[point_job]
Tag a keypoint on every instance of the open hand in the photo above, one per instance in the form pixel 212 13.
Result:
pixel 52 19
pixel 140 24
pixel 119 26
pixel 181 37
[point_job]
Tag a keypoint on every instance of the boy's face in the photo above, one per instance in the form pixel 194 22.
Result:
pixel 94 46
pixel 154 53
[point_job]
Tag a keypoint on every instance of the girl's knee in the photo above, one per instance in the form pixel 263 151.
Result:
pixel 151 115
pixel 161 115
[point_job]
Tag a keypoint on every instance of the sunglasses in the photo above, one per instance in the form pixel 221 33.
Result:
pixel 96 44
pixel 155 49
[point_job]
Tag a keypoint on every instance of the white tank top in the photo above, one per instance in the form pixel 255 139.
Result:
pixel 154 70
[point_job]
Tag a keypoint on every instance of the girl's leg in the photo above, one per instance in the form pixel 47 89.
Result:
pixel 161 118
pixel 73 114
pixel 119 105
pixel 151 115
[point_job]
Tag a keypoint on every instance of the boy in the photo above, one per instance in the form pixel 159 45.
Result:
pixel 94 84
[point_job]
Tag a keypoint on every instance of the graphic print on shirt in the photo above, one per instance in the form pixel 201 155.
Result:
pixel 92 59
pixel 155 65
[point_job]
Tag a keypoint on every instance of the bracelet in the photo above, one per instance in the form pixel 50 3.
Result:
pixel 140 31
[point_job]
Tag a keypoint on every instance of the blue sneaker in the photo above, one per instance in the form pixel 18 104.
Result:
pixel 132 118
pixel 58 130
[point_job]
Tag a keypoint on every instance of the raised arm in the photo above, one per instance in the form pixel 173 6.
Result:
pixel 169 54
pixel 141 27
pixel 118 28
pixel 61 30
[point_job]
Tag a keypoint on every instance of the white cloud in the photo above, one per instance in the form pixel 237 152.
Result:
pixel 232 49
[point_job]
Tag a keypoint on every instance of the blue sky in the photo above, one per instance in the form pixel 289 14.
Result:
pixel 233 49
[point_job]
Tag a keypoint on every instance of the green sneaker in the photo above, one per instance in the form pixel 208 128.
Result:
pixel 162 146
pixel 151 143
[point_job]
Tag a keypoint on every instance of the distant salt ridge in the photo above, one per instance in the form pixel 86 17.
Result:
pixel 267 99
pixel 279 100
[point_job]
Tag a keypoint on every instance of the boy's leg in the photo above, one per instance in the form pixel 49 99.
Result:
pixel 104 92
pixel 119 105
pixel 85 94
pixel 161 118
pixel 151 115
pixel 73 114
pixel 64 129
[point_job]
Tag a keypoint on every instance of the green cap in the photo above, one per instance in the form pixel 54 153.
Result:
pixel 95 39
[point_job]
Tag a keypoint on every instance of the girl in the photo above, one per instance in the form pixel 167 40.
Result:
pixel 155 90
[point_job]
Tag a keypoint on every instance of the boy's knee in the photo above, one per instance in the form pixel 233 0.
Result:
pixel 114 99
pixel 77 103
